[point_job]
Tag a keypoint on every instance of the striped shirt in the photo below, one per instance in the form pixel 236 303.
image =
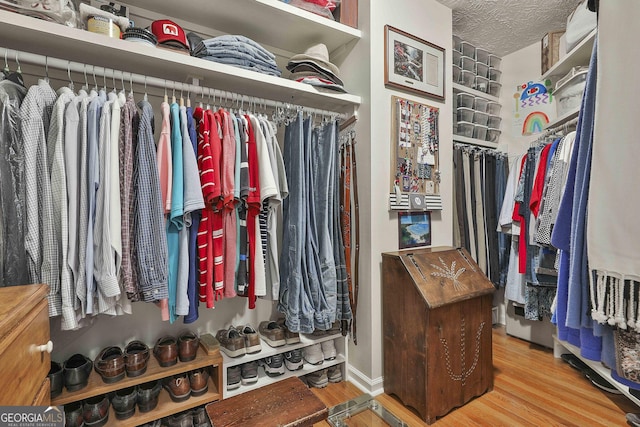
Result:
pixel 205 229
pixel 215 139
pixel 128 128
pixel 40 242
pixel 150 238
pixel 55 145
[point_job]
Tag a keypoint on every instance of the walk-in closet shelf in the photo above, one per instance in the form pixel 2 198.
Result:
pixel 605 373
pixel 165 407
pixel 457 87
pixel 579 55
pixel 474 141
pixel 46 38
pixel 475 75
pixel 270 22
pixel 267 351
pixel 559 121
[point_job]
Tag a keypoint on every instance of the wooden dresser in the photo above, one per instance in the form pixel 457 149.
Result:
pixel 24 345
pixel 437 329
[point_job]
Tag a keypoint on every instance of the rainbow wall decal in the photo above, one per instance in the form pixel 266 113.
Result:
pixel 534 123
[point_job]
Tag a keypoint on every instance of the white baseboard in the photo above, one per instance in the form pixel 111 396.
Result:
pixel 367 385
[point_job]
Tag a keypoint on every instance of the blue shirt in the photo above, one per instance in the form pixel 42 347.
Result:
pixel 175 222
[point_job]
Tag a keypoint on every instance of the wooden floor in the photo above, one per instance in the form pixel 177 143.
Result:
pixel 531 388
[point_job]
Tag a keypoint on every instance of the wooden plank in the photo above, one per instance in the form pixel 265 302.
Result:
pixel 154 371
pixel 165 408
pixel 285 403
pixel 349 13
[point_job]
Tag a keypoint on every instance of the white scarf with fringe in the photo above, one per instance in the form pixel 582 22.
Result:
pixel 613 225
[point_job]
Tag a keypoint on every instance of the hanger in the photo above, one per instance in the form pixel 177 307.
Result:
pixel 6 71
pixel 145 97
pixel 86 83
pixel 189 96
pixel 113 78
pixel 95 82
pixel 71 85
pixel 201 96
pixel 104 79
pixel 124 90
pixel 181 97
pixel 209 103
pixel 166 99
pixel 16 77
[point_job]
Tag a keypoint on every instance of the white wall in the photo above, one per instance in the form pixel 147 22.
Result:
pixel 517 68
pixel 431 21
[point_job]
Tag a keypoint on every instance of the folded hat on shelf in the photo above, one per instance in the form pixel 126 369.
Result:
pixel 314 62
pixel 169 34
pixel 141 35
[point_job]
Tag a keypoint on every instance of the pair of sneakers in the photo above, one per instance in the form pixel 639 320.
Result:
pixel 247 373
pixel 323 377
pixel 238 341
pixel 316 354
pixel 244 374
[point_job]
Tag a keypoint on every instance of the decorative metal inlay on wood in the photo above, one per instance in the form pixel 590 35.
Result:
pixel 449 273
pixel 464 374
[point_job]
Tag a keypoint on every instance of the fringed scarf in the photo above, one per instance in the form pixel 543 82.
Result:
pixel 613 227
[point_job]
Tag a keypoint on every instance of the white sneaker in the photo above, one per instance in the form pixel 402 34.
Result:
pixel 328 350
pixel 313 354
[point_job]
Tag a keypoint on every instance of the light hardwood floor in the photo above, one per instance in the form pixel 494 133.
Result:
pixel 531 388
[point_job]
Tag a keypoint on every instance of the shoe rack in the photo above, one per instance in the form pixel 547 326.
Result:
pixel 166 406
pixel 267 350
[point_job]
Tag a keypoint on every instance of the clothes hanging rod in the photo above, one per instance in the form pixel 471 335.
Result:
pixel 18 56
pixel 563 126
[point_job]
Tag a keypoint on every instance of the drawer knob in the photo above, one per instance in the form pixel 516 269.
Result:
pixel 48 347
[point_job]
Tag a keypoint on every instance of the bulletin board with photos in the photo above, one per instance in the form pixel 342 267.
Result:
pixel 414 152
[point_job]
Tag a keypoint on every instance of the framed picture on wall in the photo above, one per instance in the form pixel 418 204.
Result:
pixel 414 229
pixel 413 64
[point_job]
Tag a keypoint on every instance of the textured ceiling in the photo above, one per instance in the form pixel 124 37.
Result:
pixel 504 26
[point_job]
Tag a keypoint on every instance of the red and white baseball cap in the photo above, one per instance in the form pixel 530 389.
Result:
pixel 169 33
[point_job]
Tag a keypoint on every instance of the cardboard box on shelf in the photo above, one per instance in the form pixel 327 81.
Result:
pixel 550 50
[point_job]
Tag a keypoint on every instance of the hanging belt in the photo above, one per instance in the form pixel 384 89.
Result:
pixel 348 179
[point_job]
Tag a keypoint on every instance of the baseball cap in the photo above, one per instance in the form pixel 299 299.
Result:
pixel 169 33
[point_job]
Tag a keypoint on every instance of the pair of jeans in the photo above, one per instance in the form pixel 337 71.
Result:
pixel 303 297
pixel 324 191
pixel 245 64
pixel 294 301
pixel 244 59
pixel 234 41
pixel 243 49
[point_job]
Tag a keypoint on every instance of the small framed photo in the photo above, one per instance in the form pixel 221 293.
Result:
pixel 414 229
pixel 413 64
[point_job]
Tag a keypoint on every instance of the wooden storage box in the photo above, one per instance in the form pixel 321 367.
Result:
pixel 347 13
pixel 550 50
pixel 437 329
